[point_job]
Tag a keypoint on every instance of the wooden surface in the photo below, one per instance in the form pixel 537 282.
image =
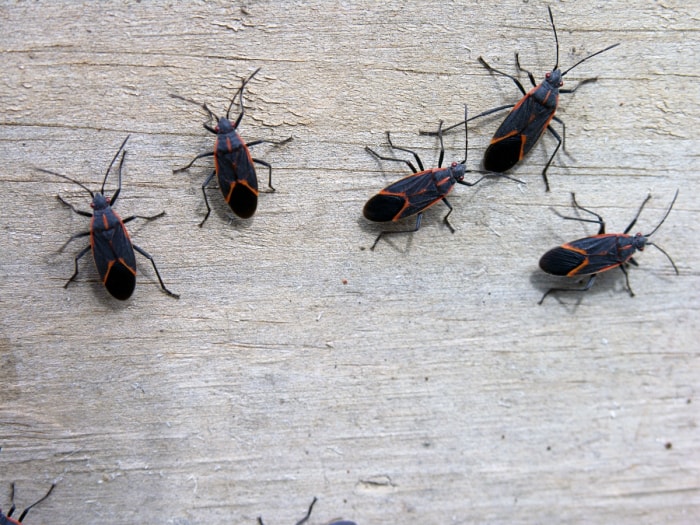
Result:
pixel 431 388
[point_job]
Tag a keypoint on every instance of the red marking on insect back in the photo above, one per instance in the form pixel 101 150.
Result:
pixel 523 142
pixel 583 264
pixel 513 133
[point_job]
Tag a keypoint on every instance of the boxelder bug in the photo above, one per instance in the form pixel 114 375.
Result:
pixel 111 246
pixel 233 164
pixel 599 253
pixel 416 193
pixel 530 117
pixel 7 519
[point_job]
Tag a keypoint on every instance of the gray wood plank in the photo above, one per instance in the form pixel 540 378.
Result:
pixel 419 383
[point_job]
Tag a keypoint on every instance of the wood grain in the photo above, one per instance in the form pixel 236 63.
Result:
pixel 430 388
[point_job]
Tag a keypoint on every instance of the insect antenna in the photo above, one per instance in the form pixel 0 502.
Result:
pixel 102 190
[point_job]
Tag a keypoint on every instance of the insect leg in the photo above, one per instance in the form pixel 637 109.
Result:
pixel 418 221
pixel 200 156
pixel 77 257
pixel 584 289
pixel 150 258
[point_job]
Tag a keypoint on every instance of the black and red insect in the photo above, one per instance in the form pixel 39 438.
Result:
pixel 414 194
pixel 530 117
pixel 599 253
pixel 7 519
pixel 233 164
pixel 110 243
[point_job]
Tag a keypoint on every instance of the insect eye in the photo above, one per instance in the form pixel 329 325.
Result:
pixel 547 75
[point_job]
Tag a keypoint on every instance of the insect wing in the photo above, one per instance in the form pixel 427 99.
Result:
pixel 236 175
pixel 562 260
pixel 588 255
pixel 420 191
pixel 113 254
pixel 518 134
pixel 384 208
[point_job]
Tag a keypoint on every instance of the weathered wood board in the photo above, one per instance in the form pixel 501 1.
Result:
pixel 417 383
